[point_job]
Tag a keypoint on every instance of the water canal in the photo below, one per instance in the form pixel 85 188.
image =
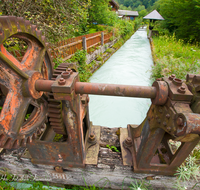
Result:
pixel 130 65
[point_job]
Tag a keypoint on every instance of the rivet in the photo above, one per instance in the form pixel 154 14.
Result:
pixel 167 116
pixel 169 128
pixel 164 123
pixel 181 90
pixel 61 81
pixel 172 77
pixel 128 141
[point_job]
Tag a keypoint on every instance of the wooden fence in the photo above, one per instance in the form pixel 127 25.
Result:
pixel 67 48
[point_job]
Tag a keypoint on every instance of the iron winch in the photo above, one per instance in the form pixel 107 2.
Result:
pixel 58 104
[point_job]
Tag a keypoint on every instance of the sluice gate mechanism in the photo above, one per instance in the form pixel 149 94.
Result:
pixel 57 103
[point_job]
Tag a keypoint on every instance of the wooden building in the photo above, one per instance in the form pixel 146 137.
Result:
pixel 114 5
pixel 125 14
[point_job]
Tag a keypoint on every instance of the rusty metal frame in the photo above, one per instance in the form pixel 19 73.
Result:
pixel 146 147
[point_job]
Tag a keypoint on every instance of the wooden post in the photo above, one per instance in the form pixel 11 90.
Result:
pixel 102 38
pixel 84 43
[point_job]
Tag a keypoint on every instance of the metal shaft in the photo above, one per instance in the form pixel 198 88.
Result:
pixel 104 89
pixel 115 90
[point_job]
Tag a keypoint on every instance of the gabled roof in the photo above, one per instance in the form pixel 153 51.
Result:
pixel 154 15
pixel 127 13
pixel 112 1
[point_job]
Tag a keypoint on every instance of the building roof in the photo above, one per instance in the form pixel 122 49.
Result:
pixel 154 15
pixel 127 13
pixel 113 2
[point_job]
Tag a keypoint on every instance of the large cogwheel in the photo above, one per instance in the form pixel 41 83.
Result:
pixel 24 109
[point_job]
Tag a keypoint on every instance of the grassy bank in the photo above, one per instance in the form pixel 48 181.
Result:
pixel 173 56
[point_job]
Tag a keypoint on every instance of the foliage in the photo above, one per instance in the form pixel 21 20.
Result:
pixel 124 27
pixel 133 4
pixel 99 12
pixel 56 18
pixel 181 17
pixel 108 50
pixel 83 68
pixel 113 148
pixel 172 56
pixel 189 169
pixel 140 185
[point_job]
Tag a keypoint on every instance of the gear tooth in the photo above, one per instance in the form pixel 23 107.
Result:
pixel 23 142
pixel 3 140
pixel 39 33
pixel 28 140
pixel 8 144
pixel 33 29
pixel 28 26
pixel 43 39
pixel 47 44
pixel 13 21
pixel 5 28
pixel 21 25
pixel 16 143
pixel 34 136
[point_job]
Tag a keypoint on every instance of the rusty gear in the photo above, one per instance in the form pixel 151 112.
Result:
pixel 17 83
pixel 55 106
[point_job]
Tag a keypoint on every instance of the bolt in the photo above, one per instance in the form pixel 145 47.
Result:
pixel 128 141
pixel 169 128
pixel 164 123
pixel 156 116
pixel 181 90
pixel 167 116
pixel 58 169
pixel 92 137
pixel 61 81
pixel 69 70
pixel 172 77
pixel 179 121
pixel 65 75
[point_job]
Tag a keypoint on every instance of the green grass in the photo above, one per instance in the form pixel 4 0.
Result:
pixel 173 56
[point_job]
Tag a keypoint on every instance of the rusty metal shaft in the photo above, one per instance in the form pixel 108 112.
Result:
pixel 115 90
pixel 103 89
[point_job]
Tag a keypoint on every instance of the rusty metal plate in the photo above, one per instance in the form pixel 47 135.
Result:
pixel 93 151
pixel 126 155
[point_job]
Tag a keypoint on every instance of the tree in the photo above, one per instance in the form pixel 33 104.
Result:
pixel 182 17
pixel 100 13
pixel 58 19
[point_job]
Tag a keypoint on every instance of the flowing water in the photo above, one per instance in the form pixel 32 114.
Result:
pixel 130 65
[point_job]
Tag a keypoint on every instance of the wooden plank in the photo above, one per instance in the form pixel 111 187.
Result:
pixel 108 173
pixel 93 151
pixel 126 155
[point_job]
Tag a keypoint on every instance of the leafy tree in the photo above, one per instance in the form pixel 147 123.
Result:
pixel 182 17
pixel 99 12
pixel 58 19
